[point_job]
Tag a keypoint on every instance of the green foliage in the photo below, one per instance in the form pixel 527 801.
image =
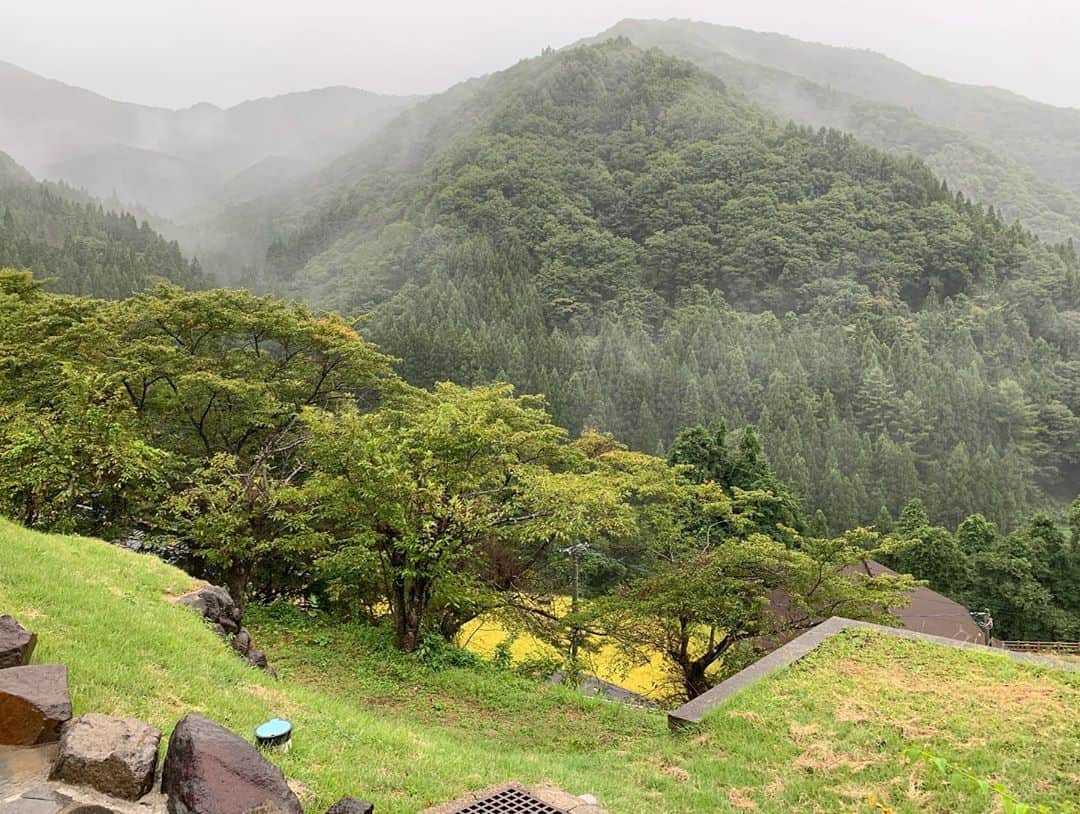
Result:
pixel 738 468
pixel 1027 579
pixel 277 447
pixel 959 778
pixel 172 411
pixel 932 552
pixel 966 135
pixel 81 248
pixel 418 488
pixel 82 463
pixel 715 582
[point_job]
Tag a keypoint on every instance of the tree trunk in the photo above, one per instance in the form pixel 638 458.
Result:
pixel 408 638
pixel 695 682
pixel 30 510
pixel 236 583
pixel 408 603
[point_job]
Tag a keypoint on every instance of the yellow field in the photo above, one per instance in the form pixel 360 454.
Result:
pixel 648 678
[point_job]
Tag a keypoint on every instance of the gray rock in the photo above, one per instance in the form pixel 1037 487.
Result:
pixel 242 642
pixel 267 808
pixel 210 770
pixel 350 805
pixel 215 604
pixel 34 704
pixel 16 643
pixel 116 756
pixel 217 607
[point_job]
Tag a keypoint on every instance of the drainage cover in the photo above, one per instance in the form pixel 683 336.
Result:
pixel 509 801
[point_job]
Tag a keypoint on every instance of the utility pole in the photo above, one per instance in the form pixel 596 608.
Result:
pixel 985 622
pixel 575 551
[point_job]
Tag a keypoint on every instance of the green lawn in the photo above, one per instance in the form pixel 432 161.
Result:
pixel 826 735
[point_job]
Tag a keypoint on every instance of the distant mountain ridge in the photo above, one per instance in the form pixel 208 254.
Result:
pixel 170 160
pixel 1020 156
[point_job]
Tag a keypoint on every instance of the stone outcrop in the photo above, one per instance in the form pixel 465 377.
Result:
pixel 16 643
pixel 350 805
pixel 216 606
pixel 210 770
pixel 225 618
pixel 34 704
pixel 116 756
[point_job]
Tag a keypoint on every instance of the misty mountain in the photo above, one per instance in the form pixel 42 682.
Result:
pixel 170 160
pixel 13 175
pixel 632 237
pixel 76 246
pixel 1020 156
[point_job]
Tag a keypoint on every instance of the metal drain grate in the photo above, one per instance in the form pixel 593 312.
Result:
pixel 509 801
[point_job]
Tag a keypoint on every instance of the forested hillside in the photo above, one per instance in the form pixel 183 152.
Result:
pixel 273 450
pixel 82 248
pixel 625 234
pixel 808 84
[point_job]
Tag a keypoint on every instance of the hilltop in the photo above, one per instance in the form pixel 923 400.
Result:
pixel 405 732
pixel 997 148
pixel 630 236
pixel 1036 135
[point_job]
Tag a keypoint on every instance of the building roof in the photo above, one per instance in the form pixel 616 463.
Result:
pixel 930 612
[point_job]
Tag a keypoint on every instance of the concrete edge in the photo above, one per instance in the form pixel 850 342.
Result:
pixel 694 711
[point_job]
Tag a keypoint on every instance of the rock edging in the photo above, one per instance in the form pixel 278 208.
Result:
pixel 218 608
pixel 16 643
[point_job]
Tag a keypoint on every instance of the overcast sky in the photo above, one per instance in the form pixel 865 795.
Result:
pixel 178 52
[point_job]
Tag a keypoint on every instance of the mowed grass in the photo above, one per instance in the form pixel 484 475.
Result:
pixel 826 735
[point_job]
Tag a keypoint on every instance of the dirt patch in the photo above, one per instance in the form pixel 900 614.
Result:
pixel 855 711
pixel 803 734
pixel 746 715
pixel 915 730
pixel 303 793
pixel 774 788
pixel 740 799
pixel 678 772
pixel 818 755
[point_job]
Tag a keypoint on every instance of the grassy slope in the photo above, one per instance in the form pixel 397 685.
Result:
pixel 821 737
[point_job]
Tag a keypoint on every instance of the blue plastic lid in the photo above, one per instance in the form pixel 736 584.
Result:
pixel 274 728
